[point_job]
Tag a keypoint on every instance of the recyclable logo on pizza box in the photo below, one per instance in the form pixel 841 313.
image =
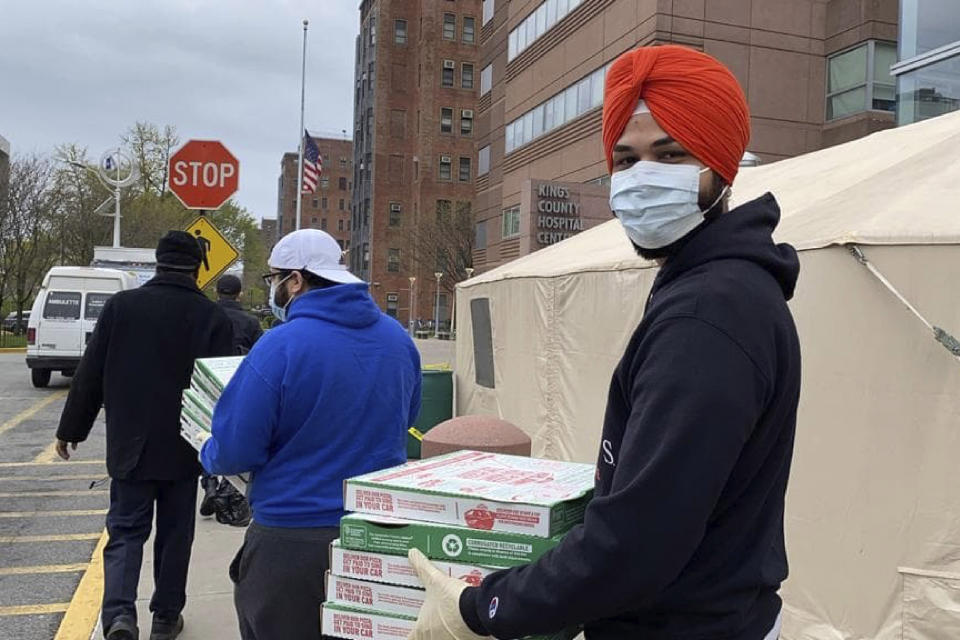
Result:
pixel 396 569
pixel 479 490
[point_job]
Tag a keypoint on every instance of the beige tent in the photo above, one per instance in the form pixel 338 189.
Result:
pixel 873 519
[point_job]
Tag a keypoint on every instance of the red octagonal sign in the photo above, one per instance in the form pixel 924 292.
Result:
pixel 203 174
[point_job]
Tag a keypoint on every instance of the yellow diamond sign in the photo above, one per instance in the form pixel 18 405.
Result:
pixel 218 253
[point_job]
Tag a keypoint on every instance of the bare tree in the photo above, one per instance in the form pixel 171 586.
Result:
pixel 444 241
pixel 77 194
pixel 28 236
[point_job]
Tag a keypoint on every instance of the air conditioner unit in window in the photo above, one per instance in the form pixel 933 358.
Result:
pixel 445 159
pixel 468 113
pixel 449 64
pixel 395 206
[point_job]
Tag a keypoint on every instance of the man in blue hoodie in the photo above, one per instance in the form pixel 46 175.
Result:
pixel 328 394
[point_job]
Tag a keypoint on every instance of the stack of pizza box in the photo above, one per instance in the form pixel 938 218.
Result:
pixel 472 513
pixel 209 379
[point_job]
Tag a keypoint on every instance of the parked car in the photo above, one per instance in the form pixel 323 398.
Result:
pixel 64 315
pixel 11 325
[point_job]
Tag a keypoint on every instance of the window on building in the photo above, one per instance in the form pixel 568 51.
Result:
pixel 487 11
pixel 341 204
pixel 313 221
pixel 449 66
pixel 469 32
pixel 449 26
pixel 395 214
pixel 323 224
pixel 464 169
pixel 324 183
pixel 466 122
pixel 400 31
pixel 393 302
pixel 859 80
pixel 339 225
pixel 393 260
pixel 366 256
pixel 373 31
pixel 537 23
pixel 316 203
pixel 446 120
pixel 929 91
pixel 480 236
pixel 342 183
pixel 483 161
pixel 446 168
pixel 511 223
pixel 343 163
pixel 323 202
pixel 486 79
pixel 466 76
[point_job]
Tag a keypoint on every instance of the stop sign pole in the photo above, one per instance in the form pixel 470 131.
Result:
pixel 203 174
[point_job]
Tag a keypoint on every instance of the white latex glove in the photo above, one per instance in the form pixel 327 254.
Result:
pixel 440 617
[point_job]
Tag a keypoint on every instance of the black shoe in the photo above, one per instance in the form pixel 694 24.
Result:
pixel 165 629
pixel 122 628
pixel 209 503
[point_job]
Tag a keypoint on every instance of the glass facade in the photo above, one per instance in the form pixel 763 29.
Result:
pixel 928 73
pixel 929 91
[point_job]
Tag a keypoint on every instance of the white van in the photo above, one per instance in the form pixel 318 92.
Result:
pixel 64 315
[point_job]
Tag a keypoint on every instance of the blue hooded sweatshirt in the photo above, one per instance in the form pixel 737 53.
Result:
pixel 325 396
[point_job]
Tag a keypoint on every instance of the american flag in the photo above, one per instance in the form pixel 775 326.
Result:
pixel 312 166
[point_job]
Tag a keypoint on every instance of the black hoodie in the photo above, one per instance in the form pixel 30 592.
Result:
pixel 684 537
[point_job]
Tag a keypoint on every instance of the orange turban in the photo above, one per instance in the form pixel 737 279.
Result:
pixel 691 95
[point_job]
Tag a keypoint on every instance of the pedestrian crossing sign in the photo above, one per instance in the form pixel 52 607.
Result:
pixel 218 253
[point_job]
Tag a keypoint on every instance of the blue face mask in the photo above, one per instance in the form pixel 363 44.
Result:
pixel 657 203
pixel 280 313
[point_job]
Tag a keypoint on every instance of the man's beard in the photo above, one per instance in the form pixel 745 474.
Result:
pixel 711 198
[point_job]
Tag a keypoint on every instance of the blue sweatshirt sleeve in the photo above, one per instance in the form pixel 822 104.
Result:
pixel 243 424
pixel 695 397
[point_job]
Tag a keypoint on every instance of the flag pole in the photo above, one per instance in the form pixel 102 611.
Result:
pixel 303 132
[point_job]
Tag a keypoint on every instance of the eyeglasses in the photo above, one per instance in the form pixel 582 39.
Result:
pixel 268 277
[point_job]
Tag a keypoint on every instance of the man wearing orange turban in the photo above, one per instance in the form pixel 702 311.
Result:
pixel 684 537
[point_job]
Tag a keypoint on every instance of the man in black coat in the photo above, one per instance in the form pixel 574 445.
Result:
pixel 684 536
pixel 220 497
pixel 137 363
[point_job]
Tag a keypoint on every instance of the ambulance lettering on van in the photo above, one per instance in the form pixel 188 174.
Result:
pixel 64 315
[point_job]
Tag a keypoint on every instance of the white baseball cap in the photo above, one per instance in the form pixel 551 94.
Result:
pixel 314 251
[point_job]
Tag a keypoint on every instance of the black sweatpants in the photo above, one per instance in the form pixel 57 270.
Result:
pixel 129 521
pixel 278 577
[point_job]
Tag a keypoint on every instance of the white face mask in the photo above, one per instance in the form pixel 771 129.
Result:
pixel 657 203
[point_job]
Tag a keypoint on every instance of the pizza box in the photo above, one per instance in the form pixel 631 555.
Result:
pixel 217 371
pixel 354 623
pixel 442 542
pixel 396 569
pixel 490 491
pixel 387 598
pixel 196 406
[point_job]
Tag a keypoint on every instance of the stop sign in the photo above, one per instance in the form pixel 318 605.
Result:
pixel 203 174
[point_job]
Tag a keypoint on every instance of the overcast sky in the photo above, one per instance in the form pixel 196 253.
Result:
pixel 217 69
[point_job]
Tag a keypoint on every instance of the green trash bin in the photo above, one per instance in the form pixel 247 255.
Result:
pixel 436 406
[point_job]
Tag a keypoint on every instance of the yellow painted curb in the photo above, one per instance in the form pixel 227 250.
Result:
pixel 13 350
pixel 81 617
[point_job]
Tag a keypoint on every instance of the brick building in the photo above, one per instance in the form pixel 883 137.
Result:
pixel 4 165
pixel 816 73
pixel 414 104
pixel 328 208
pixel 268 232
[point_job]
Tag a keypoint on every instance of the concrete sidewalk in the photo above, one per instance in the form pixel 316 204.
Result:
pixel 209 614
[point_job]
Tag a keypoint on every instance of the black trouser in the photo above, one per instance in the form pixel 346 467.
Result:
pixel 279 581
pixel 129 521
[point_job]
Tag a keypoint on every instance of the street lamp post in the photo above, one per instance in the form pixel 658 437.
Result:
pixel 413 282
pixel 436 317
